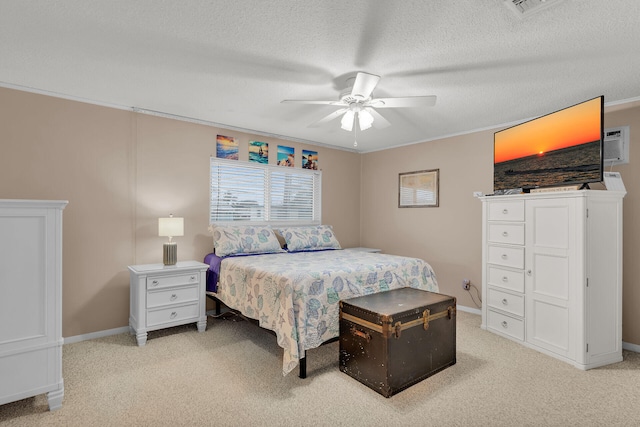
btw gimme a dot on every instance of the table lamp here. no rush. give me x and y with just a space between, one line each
170 227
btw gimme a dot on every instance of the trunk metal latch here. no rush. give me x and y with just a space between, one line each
425 319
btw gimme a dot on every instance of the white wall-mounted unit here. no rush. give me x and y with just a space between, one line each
616 146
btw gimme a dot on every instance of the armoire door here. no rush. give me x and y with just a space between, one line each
550 273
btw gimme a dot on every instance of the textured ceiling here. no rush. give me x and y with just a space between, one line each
232 62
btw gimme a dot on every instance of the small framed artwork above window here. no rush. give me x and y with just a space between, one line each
418 189
226 147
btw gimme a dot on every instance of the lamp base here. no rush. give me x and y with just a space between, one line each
170 253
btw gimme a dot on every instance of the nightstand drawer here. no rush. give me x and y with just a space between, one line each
172 296
505 301
505 324
155 282
172 314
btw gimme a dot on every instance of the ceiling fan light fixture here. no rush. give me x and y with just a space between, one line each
365 119
347 120
357 102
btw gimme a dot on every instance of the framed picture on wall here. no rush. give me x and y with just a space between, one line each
286 156
309 159
418 189
259 152
226 147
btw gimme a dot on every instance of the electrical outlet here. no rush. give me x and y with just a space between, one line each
466 284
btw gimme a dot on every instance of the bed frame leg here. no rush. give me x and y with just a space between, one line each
217 307
303 367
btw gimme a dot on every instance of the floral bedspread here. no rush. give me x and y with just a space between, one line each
297 294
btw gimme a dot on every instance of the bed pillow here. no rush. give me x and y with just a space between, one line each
283 243
244 239
310 238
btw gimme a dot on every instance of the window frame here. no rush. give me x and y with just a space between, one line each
269 171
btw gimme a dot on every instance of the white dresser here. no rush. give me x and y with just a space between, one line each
163 296
552 273
31 300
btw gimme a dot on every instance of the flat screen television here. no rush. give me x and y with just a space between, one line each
559 149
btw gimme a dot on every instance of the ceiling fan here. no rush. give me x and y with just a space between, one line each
357 103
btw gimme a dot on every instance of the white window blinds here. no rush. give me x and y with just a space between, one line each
262 194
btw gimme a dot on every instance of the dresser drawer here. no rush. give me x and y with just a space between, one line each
505 301
172 296
504 278
505 324
506 210
155 282
512 234
172 314
506 256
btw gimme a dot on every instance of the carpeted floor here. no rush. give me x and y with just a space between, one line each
230 375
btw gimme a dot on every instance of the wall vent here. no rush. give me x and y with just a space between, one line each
524 8
616 146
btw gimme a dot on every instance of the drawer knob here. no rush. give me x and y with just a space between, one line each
155 283
505 234
505 211
528 272
173 297
504 301
505 279
192 278
173 315
504 324
504 256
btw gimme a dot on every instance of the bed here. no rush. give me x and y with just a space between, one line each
296 292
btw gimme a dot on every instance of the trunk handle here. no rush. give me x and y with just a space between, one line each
360 334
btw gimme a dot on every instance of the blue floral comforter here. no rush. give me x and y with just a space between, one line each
297 294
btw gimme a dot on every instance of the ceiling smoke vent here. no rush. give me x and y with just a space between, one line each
527 7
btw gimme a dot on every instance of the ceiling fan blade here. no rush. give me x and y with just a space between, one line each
329 117
379 122
364 85
303 101
405 102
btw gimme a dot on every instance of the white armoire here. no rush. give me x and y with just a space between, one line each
552 273
31 300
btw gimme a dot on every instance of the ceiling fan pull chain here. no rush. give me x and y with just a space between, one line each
355 136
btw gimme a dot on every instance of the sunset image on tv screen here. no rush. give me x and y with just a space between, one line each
562 147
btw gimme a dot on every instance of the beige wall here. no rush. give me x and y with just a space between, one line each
120 171
631 231
57 149
449 237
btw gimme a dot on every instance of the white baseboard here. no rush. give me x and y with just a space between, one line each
631 347
94 335
470 310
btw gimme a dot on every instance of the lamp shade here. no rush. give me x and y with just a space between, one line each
170 227
365 119
347 120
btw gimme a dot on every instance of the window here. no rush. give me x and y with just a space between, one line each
254 193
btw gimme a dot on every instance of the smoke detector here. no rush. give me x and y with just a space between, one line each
524 8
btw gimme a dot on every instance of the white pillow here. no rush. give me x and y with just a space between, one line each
310 238
244 239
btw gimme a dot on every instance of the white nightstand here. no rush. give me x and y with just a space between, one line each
365 250
164 296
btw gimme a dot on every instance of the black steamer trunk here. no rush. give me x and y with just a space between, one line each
392 340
